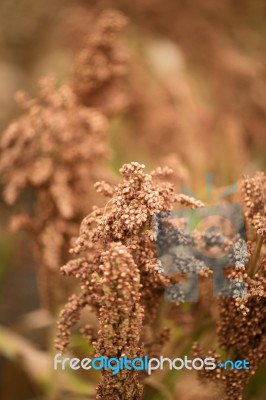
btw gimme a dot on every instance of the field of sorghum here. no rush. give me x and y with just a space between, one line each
113 112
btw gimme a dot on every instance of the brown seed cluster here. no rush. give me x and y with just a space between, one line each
102 65
116 258
127 217
241 325
120 320
57 149
254 191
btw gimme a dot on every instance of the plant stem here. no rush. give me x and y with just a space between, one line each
254 260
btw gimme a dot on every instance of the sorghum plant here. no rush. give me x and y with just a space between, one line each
101 68
241 320
56 148
120 321
117 268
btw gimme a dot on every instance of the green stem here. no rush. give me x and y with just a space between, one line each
255 258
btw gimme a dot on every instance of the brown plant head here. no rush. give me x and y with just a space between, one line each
55 149
241 326
117 270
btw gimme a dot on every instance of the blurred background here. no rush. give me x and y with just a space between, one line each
193 98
